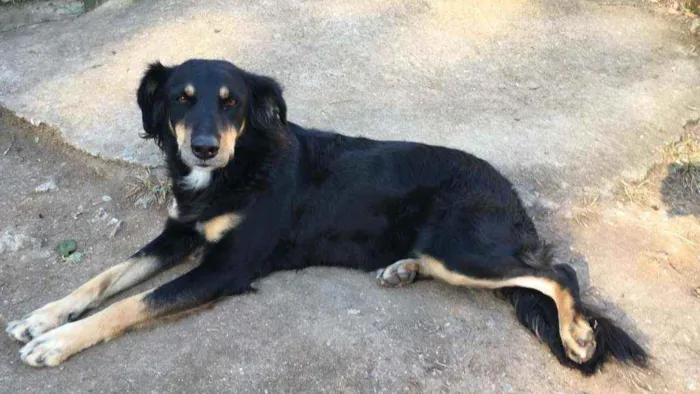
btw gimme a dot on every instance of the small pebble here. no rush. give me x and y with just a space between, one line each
75 257
102 214
78 213
13 241
117 226
695 26
106 198
532 85
46 187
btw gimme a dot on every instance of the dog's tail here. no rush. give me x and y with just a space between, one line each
538 313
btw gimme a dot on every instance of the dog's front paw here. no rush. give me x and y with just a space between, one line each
38 322
51 348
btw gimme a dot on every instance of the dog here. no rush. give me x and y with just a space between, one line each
254 193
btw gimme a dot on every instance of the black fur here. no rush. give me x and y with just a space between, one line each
151 100
310 197
538 313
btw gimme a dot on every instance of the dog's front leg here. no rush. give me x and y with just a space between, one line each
170 247
197 287
231 261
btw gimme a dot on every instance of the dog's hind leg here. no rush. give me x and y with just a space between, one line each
576 334
170 247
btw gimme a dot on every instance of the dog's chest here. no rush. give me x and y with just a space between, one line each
212 227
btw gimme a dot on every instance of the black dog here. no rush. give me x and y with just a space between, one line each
258 194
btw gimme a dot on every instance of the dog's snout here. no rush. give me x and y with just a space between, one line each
205 146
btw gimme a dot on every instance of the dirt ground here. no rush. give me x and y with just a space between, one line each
326 330
642 245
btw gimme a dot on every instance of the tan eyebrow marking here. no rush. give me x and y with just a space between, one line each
189 90
223 92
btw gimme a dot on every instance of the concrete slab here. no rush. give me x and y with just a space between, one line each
569 91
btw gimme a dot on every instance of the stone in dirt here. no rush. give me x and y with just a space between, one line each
532 85
117 225
102 214
46 187
13 241
695 26
74 257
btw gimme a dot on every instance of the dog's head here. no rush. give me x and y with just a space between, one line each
201 107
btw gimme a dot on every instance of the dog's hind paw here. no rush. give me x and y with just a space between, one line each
579 343
402 272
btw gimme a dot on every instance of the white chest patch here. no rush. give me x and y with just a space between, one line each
197 179
173 211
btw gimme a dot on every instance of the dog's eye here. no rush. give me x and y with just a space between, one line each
183 99
228 103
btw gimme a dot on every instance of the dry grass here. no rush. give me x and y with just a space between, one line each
678 173
692 6
674 182
636 192
150 186
585 212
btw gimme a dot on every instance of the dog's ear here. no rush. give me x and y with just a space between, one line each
267 109
151 99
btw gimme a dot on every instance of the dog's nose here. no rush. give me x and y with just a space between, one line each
205 146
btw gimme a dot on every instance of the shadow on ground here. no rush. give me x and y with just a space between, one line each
680 189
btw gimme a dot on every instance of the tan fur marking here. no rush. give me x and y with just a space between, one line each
89 295
110 282
182 133
572 325
189 90
56 346
215 228
116 279
223 92
227 144
113 321
437 269
240 131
